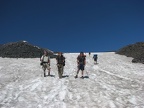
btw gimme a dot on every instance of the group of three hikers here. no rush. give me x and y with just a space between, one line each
60 59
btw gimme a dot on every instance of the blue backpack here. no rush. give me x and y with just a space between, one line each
95 56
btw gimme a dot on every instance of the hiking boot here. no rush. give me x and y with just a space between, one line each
76 76
82 77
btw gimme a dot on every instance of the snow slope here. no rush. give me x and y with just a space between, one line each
114 82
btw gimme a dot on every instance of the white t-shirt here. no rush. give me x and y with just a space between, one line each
45 58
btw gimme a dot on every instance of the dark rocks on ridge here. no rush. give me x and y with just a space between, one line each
22 49
134 50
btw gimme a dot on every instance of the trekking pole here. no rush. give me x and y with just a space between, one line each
41 72
87 73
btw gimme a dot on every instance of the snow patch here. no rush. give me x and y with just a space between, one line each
24 41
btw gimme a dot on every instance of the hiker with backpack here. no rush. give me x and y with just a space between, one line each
95 58
81 62
60 64
89 53
45 62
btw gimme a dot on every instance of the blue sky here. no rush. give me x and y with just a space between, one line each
73 25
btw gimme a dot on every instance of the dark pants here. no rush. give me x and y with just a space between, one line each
95 60
60 70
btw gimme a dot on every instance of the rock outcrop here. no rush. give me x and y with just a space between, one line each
22 49
134 50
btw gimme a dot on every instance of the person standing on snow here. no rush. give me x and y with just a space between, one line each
60 64
89 53
45 62
81 62
95 57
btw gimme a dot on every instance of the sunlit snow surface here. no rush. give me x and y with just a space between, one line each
114 82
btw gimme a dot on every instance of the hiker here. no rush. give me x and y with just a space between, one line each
89 53
81 62
95 58
45 62
60 64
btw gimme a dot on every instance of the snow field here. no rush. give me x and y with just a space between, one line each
114 82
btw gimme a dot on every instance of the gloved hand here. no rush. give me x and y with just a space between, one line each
41 63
